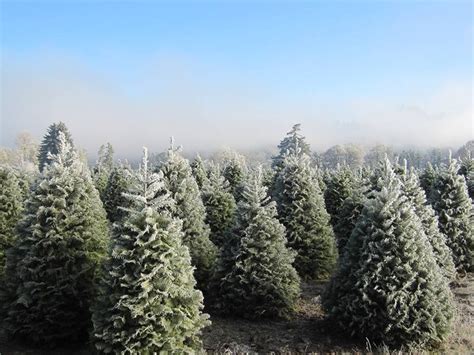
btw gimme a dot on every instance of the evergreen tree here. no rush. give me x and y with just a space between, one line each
11 204
190 209
470 184
24 179
103 168
451 202
302 212
50 143
427 179
293 143
268 177
467 150
348 215
114 200
148 302
220 205
199 171
262 281
338 188
466 165
320 179
467 170
429 221
62 239
234 172
388 287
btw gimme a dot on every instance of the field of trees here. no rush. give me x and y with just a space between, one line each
346 250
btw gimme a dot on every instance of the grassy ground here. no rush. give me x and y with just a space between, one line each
310 332
307 332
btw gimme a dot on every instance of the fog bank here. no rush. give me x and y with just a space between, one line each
205 114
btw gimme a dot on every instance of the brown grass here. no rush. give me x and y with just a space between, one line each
307 332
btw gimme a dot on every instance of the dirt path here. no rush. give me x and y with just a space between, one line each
308 331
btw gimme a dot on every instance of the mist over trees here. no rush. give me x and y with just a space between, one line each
126 255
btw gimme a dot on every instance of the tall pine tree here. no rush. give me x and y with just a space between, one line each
388 287
470 184
338 187
260 279
103 168
113 197
148 302
220 205
467 170
62 239
349 213
301 210
234 171
199 171
190 209
11 205
293 143
50 143
429 221
450 200
427 178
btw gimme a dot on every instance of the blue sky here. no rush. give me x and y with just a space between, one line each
397 52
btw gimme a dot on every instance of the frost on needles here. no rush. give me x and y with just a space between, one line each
11 205
302 211
429 221
255 276
178 178
220 205
388 287
450 200
62 239
148 302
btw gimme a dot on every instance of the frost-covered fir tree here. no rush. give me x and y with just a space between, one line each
50 143
466 165
450 200
427 178
220 205
388 287
470 184
320 179
199 171
234 171
338 187
24 178
260 279
103 167
293 143
11 204
424 211
114 201
61 241
190 209
147 300
268 177
301 210
348 215
467 170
